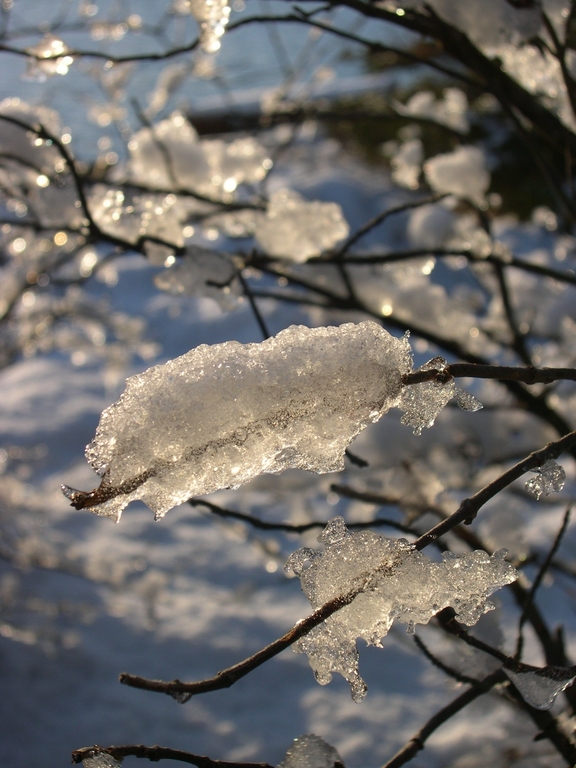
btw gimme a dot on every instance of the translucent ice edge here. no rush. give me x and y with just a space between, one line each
310 751
394 581
220 415
539 687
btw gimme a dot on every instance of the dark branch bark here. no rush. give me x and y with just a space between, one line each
469 508
466 512
417 742
528 375
157 753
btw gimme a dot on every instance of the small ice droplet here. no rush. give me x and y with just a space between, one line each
410 629
550 478
334 532
101 760
298 559
311 751
466 401
180 696
539 687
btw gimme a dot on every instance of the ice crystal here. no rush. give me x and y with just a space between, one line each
423 402
49 57
170 155
220 415
134 216
461 172
101 760
296 229
310 751
202 273
550 478
539 687
394 581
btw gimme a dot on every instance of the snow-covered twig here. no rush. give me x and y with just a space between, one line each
468 509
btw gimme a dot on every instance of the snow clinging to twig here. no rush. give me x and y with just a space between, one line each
394 581
296 229
220 415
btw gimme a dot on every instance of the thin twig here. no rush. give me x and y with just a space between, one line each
380 219
493 258
470 507
417 742
467 511
263 525
450 671
227 677
538 580
528 375
257 314
157 753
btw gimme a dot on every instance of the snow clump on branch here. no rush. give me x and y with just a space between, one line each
394 581
220 415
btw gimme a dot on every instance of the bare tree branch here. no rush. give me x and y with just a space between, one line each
469 508
466 512
529 375
538 580
157 753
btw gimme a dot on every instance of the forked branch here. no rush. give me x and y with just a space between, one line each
467 510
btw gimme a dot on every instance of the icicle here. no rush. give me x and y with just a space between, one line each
550 478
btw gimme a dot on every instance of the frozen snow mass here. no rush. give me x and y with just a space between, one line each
220 415
393 581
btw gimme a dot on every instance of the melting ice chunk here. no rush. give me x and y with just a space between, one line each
311 751
101 760
394 581
423 402
539 687
550 478
296 229
220 415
